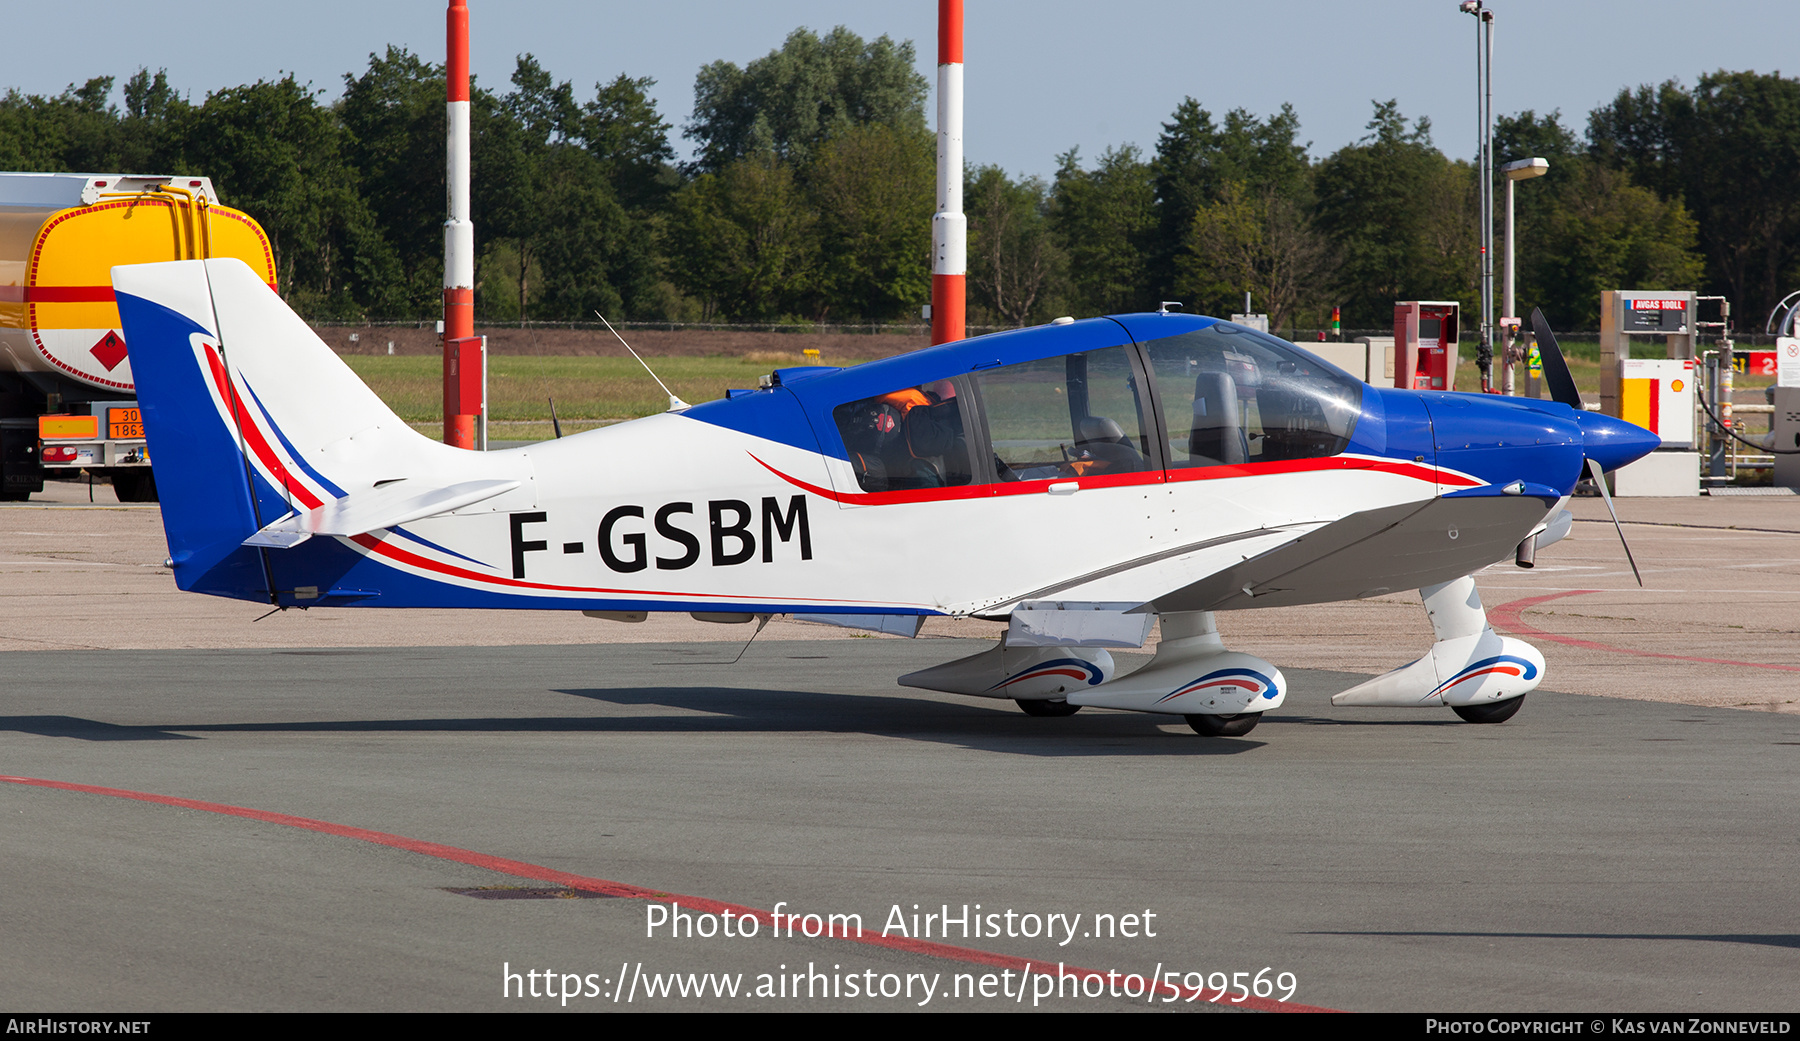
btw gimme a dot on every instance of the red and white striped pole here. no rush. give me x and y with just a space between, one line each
462 396
949 229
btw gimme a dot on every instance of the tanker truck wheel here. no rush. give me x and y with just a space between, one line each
134 485
1046 707
1491 711
1224 726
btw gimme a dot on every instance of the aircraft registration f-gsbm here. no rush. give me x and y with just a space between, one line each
1080 480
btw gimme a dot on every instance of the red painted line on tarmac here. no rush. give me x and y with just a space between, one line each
1507 617
521 869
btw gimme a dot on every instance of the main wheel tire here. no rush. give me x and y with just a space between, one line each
1224 726
1490 711
1047 707
134 486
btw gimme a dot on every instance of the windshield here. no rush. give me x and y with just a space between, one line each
1232 395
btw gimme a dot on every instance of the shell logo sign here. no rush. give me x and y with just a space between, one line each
1658 395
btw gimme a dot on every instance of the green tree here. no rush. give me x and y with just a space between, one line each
743 241
1728 149
506 204
873 189
1599 231
570 247
793 99
1399 218
1103 219
1196 160
545 110
520 134
1528 134
146 132
1585 227
1017 274
1255 241
629 139
394 117
623 130
585 246
274 152
76 130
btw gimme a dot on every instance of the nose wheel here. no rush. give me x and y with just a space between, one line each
1047 707
1224 726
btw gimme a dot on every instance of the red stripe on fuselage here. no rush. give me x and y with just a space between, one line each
381 548
1416 471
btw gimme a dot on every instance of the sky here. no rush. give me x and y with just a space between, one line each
1040 77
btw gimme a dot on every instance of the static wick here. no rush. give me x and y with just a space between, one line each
675 403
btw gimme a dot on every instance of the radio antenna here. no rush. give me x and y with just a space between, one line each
675 403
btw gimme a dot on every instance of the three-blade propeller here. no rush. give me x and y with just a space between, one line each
1562 389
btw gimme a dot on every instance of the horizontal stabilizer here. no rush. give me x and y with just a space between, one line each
384 507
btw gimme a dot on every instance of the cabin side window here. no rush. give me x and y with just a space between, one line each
906 439
1077 415
1232 395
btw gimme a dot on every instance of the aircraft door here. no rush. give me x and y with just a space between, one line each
1075 476
1067 417
1013 473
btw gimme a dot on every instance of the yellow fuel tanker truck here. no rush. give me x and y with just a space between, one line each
67 402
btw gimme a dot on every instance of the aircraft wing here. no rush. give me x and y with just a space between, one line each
1405 546
1141 580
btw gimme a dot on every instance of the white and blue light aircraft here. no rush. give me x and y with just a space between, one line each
1079 479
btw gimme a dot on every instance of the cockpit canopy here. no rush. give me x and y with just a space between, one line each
1212 394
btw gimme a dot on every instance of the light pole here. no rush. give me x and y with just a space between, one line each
1519 170
1484 96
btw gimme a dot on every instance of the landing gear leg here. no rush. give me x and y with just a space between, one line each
1220 693
1471 669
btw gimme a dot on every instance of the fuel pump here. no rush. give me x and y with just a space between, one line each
1425 344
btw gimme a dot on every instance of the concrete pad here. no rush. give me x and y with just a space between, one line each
1594 853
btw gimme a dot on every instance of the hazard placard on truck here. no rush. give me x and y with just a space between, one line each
67 400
